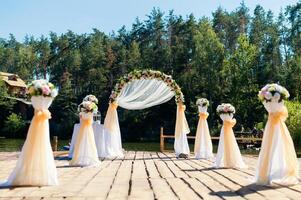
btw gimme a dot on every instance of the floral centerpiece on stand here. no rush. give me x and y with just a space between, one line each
225 111
41 93
147 74
272 96
225 108
87 107
273 92
41 88
91 98
202 104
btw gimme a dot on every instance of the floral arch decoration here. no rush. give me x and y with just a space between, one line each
147 74
138 90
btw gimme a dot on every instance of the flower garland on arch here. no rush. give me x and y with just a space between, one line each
147 74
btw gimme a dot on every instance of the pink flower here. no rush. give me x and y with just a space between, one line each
46 90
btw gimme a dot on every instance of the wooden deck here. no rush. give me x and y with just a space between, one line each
147 175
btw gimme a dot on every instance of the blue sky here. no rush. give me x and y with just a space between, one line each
37 17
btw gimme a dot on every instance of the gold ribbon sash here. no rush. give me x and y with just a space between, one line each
111 118
228 134
203 115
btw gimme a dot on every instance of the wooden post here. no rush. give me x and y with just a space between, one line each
55 143
161 140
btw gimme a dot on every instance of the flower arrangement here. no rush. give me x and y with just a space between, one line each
41 88
273 92
225 108
92 98
147 74
203 102
87 106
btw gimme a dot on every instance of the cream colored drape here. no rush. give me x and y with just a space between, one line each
85 151
181 130
203 143
277 163
113 147
228 153
36 166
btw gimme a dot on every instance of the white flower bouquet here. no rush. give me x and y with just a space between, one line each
273 93
225 111
225 108
91 98
41 88
87 107
272 96
203 102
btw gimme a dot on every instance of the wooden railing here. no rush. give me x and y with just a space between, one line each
242 139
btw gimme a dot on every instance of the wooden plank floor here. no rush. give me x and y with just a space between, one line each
147 175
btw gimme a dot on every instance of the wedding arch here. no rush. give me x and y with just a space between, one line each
138 90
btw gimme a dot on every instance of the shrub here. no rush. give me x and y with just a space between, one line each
294 121
14 125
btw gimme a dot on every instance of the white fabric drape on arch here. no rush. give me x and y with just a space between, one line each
144 93
136 95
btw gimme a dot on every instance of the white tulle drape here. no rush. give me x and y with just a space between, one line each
137 95
144 93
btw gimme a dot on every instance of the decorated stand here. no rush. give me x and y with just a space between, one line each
277 163
140 90
36 166
203 143
85 151
228 153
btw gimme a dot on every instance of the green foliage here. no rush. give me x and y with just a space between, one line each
6 105
14 125
65 108
294 121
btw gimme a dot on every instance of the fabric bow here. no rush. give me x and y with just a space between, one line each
114 105
86 122
229 123
276 117
203 115
182 107
42 114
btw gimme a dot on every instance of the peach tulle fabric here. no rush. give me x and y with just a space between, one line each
228 153
181 131
112 119
36 166
278 162
203 143
85 151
